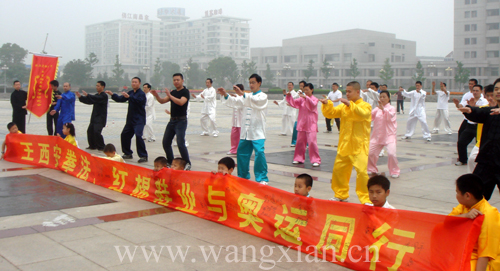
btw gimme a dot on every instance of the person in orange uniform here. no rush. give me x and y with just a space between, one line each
354 143
485 254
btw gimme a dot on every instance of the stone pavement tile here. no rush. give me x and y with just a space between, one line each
136 230
31 249
100 249
26 220
6 266
110 208
171 218
73 234
73 263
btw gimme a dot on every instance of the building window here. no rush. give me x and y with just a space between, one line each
310 57
473 40
255 59
492 40
403 58
332 57
473 27
492 26
348 57
290 59
371 44
473 54
371 72
467 2
467 27
473 14
467 54
371 58
494 71
271 59
392 45
492 12
493 1
473 1
472 71
491 54
467 41
467 14
398 59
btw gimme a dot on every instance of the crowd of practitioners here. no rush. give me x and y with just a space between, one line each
365 119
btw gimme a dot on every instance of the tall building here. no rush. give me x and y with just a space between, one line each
139 41
477 38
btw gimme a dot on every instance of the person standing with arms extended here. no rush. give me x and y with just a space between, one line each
334 95
98 117
288 116
209 98
400 100
236 122
65 107
354 142
18 100
253 131
417 112
179 102
295 94
149 133
136 119
442 113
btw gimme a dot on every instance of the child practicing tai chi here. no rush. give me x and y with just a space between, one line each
160 163
12 130
110 152
486 252
303 185
307 125
69 131
225 166
378 190
383 135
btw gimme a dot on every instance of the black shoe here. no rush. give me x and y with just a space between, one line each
127 156
101 149
90 148
143 160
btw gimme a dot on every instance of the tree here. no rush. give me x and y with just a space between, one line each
221 68
156 79
326 70
386 74
91 60
354 72
247 69
461 75
117 78
168 69
76 72
309 71
195 75
419 73
13 56
269 76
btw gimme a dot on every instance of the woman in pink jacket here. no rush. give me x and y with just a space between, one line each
383 134
307 126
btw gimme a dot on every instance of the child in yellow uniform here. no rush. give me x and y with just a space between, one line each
485 255
12 130
354 142
110 152
69 131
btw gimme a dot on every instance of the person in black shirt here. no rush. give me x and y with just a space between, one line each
177 125
52 119
488 160
98 117
18 100
136 119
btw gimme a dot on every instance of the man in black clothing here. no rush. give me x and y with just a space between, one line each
18 100
98 117
177 125
488 159
52 119
136 119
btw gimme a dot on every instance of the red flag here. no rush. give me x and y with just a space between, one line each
43 70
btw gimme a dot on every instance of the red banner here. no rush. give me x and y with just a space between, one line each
43 70
352 235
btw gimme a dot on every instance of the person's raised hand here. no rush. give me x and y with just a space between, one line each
222 92
52 112
495 111
471 102
380 105
238 90
78 95
84 93
345 101
433 84
467 110
125 94
276 103
192 95
324 101
284 92
58 97
109 92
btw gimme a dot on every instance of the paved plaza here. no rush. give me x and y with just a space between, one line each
52 221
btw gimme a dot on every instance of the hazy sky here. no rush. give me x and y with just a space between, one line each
428 22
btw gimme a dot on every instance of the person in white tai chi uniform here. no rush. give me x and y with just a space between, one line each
289 113
149 133
417 112
209 98
443 96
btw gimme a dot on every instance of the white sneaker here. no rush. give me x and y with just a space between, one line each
428 139
459 164
187 143
337 199
435 132
315 164
450 133
230 153
203 134
381 153
394 176
292 145
405 137
263 182
215 135
282 134
295 162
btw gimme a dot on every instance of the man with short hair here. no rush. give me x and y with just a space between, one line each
65 107
209 98
289 113
136 119
179 102
442 114
295 94
98 117
334 95
149 133
400 100
52 119
417 112
18 101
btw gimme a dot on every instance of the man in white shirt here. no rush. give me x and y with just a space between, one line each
295 95
149 133
334 95
417 112
209 98
289 113
253 130
468 129
442 114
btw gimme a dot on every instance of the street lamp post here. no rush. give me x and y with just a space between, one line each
430 66
329 67
4 70
449 75
146 70
186 69
286 68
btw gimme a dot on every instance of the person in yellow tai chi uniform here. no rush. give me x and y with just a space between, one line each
354 141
